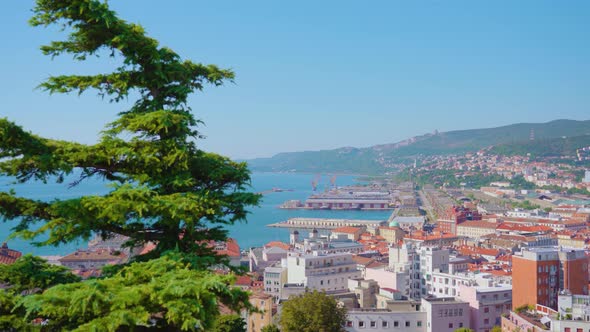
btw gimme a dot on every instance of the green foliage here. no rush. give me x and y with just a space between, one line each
163 190
518 182
448 178
270 328
30 273
526 205
161 293
464 329
162 185
230 323
497 329
551 147
312 312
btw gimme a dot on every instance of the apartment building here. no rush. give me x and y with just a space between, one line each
538 274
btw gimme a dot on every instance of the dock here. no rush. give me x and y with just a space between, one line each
325 223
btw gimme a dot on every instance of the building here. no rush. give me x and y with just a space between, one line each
454 216
274 278
487 305
7 255
445 314
365 291
381 320
574 313
322 271
392 233
476 229
523 321
386 320
92 259
538 274
352 233
257 320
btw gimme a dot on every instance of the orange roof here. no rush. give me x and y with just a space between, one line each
362 260
468 250
147 248
243 281
523 228
232 249
347 230
277 244
8 256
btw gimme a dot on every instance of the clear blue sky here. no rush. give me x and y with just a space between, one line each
325 74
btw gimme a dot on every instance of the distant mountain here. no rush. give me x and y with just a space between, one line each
380 158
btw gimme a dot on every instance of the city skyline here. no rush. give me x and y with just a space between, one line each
311 77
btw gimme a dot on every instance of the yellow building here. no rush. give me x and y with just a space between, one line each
258 320
392 233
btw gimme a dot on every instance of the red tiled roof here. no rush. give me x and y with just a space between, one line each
243 281
233 249
346 229
278 244
8 256
362 260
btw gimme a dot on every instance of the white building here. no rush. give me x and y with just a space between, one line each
321 271
381 320
275 277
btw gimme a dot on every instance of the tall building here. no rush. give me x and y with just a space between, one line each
586 177
538 274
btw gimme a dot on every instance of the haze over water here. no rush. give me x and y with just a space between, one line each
250 234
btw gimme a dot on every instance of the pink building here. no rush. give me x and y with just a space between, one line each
486 305
445 314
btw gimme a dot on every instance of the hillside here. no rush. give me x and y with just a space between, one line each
552 147
380 158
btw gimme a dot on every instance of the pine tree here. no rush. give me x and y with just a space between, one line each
164 189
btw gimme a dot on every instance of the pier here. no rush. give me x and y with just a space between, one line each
323 223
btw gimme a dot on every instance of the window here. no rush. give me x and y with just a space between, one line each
373 324
419 323
361 323
407 323
384 324
395 323
450 325
460 324
321 282
486 321
579 330
567 329
486 309
348 323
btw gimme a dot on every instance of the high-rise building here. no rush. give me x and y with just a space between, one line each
538 274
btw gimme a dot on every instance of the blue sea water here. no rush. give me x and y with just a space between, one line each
249 234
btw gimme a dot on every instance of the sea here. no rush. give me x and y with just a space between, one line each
252 233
